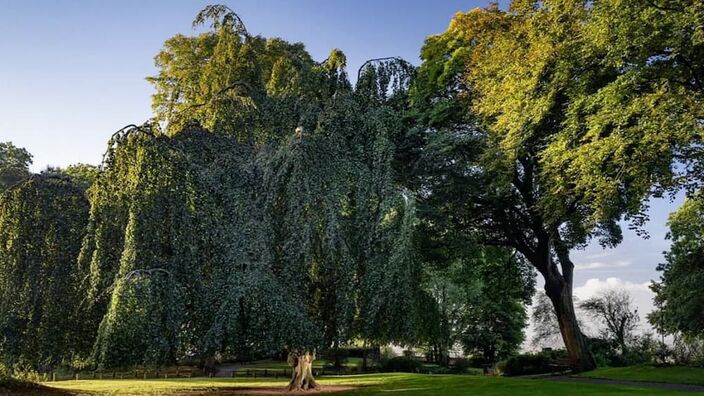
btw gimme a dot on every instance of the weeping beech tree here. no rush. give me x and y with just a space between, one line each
42 222
278 227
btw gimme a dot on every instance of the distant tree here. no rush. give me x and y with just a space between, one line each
494 325
14 164
42 222
678 300
544 321
83 175
480 305
614 310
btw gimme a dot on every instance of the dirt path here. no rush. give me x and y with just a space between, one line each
641 384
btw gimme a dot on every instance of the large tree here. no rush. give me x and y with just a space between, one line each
42 222
280 227
538 83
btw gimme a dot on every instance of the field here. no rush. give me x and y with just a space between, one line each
675 375
370 384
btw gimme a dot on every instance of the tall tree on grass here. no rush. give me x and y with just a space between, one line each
281 227
574 130
42 221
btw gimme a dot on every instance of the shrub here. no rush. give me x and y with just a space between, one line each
529 363
401 363
461 364
688 351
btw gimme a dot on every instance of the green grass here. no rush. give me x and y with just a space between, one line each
370 384
674 375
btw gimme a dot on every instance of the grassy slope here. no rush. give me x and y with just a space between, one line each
399 384
675 375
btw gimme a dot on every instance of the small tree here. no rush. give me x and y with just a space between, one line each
14 164
614 310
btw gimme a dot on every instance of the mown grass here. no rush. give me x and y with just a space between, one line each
370 384
673 374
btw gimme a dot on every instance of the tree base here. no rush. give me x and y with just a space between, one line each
302 377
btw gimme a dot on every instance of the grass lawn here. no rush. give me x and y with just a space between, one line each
675 375
370 384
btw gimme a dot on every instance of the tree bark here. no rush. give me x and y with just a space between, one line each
302 377
560 293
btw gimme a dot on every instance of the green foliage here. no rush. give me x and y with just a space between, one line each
179 256
481 305
14 164
678 302
83 175
250 87
42 222
633 88
494 325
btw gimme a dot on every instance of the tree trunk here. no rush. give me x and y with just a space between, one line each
302 377
560 293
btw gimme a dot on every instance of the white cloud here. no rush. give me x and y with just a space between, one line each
640 293
601 265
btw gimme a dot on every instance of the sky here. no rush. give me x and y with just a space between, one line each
73 72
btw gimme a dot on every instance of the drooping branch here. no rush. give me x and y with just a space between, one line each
221 15
389 59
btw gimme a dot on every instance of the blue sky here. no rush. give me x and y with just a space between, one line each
72 72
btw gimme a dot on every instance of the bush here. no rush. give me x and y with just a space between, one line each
688 351
461 364
401 363
529 363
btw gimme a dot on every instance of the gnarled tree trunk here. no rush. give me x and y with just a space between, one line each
302 377
575 342
558 287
